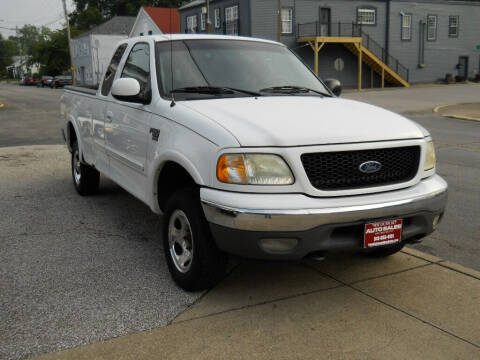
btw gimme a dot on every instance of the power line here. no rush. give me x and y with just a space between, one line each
52 22
36 25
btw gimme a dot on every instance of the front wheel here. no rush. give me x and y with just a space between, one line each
85 178
193 258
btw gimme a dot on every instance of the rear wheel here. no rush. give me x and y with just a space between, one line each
386 251
85 178
193 258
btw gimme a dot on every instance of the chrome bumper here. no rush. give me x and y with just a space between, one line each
430 195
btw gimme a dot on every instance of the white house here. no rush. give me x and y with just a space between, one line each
20 67
155 20
93 50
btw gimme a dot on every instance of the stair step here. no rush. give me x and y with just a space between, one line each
376 64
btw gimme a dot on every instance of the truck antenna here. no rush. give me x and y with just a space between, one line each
172 104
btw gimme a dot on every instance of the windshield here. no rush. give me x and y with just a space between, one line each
251 66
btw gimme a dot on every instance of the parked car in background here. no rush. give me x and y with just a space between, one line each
61 81
44 81
28 80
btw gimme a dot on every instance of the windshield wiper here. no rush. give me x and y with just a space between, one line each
291 89
214 90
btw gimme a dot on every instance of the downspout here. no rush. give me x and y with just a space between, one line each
250 14
387 34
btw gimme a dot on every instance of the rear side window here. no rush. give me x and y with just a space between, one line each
112 69
137 66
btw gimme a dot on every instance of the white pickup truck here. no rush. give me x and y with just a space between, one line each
245 151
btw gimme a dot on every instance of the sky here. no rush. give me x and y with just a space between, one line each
36 12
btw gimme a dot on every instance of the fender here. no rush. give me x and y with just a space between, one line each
71 120
157 166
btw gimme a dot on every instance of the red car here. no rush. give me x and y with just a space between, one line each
29 81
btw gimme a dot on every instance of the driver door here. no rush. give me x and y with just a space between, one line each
127 125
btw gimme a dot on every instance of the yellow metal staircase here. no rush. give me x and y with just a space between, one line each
360 44
377 65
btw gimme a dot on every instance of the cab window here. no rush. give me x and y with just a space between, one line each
137 66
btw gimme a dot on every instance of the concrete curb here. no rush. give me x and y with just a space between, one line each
460 117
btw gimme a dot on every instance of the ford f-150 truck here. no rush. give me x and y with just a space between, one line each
245 151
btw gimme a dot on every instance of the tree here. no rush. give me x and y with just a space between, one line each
52 52
89 13
8 49
86 19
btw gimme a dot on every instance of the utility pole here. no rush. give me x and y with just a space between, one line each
20 46
70 49
208 16
279 21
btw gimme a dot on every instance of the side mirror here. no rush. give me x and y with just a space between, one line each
334 85
127 89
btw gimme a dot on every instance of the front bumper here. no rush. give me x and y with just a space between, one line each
240 221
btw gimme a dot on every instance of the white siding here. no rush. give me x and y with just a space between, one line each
144 24
92 54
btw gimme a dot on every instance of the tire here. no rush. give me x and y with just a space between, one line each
85 178
193 258
385 251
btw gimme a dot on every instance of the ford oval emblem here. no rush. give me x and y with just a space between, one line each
369 167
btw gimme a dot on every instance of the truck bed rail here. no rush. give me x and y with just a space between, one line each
83 90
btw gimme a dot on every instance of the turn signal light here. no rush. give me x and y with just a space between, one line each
254 169
231 169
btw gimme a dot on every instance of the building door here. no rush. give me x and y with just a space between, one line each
82 75
463 66
325 20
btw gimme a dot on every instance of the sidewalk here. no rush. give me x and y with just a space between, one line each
465 111
409 306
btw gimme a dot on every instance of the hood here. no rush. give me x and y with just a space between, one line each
302 120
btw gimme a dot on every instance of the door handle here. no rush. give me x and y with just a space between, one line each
109 116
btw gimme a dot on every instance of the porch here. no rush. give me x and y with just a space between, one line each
367 50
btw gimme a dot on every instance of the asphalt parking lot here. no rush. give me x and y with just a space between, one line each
78 270
30 115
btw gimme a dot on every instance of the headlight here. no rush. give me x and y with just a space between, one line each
430 159
254 169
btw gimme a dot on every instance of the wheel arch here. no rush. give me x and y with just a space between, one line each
72 134
172 173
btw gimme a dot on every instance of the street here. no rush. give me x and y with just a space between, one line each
30 116
77 270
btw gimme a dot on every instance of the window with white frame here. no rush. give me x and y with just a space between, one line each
231 20
366 16
406 27
203 21
432 27
453 26
287 20
217 18
192 24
